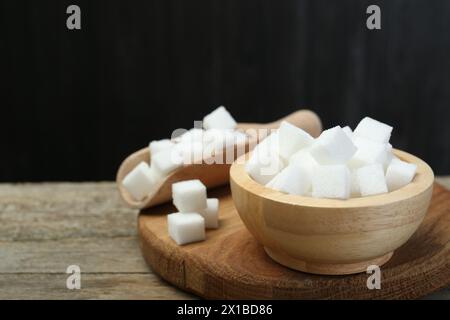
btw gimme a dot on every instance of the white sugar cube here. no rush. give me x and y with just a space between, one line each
265 163
389 156
374 130
294 179
166 161
292 139
190 152
139 181
218 139
189 195
192 135
333 147
369 152
371 180
240 138
354 184
262 168
399 173
331 181
186 227
304 158
269 145
348 131
219 119
159 145
211 213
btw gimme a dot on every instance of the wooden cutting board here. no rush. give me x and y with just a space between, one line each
230 264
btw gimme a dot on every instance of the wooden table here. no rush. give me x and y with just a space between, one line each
45 227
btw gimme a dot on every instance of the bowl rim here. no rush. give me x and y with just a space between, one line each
423 180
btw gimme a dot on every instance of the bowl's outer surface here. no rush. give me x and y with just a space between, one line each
329 231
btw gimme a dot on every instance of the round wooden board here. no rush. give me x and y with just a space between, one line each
230 264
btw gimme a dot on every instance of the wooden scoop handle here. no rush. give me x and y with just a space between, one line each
305 119
211 175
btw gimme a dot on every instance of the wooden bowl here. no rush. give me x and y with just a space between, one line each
328 236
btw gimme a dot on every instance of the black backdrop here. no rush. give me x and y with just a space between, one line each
75 103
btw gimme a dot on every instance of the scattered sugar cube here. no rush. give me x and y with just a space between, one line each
333 147
374 130
292 139
331 181
166 161
348 131
294 179
369 152
159 145
189 195
211 213
219 119
139 181
399 173
186 227
371 180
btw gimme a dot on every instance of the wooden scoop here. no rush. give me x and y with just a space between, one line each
211 175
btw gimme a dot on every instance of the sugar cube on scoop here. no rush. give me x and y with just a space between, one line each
166 161
399 173
189 195
159 145
186 227
139 181
219 119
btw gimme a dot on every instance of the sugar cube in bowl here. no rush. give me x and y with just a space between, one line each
334 236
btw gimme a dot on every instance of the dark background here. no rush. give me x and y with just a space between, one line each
75 103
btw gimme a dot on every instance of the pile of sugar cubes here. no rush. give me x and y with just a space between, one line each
195 212
339 164
191 147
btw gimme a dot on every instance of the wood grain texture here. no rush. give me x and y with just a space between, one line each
45 226
230 264
93 286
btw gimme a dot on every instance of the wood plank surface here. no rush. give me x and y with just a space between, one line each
49 226
231 264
